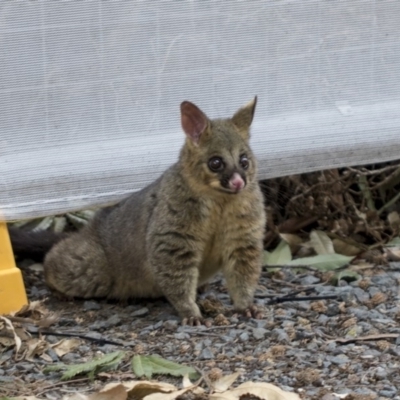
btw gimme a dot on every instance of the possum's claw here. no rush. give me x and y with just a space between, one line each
250 312
253 312
195 321
192 321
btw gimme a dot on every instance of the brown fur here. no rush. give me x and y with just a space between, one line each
176 233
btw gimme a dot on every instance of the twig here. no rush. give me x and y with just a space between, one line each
364 338
292 296
364 187
307 267
389 203
220 327
100 341
303 298
311 188
387 180
47 388
364 171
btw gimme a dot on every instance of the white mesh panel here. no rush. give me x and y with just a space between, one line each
90 91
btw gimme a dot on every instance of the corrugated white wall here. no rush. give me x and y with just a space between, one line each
90 91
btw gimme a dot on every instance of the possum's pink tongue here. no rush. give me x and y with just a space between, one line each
236 183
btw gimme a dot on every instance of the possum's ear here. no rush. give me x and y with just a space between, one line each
194 121
244 117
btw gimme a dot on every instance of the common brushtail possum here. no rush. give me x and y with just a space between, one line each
204 214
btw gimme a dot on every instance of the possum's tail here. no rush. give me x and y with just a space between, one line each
33 245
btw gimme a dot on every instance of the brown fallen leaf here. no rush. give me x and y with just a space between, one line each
364 338
393 253
394 219
347 249
321 242
65 346
224 383
140 389
10 328
265 391
294 241
117 392
36 347
360 265
6 341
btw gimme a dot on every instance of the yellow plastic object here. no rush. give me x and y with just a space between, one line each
12 289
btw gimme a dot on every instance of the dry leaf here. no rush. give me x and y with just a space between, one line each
117 392
393 253
6 341
265 391
10 327
76 396
36 267
321 242
364 338
140 389
224 383
281 255
394 219
186 381
34 307
173 395
65 346
347 249
361 265
294 241
48 320
36 347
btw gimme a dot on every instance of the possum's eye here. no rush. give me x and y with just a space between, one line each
216 164
244 161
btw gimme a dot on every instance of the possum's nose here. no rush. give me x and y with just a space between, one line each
236 183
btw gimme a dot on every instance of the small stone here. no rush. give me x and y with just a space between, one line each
181 336
53 355
339 360
84 349
199 346
226 338
99 325
361 295
24 366
91 305
95 335
52 339
280 336
234 332
380 373
309 280
70 357
206 354
114 320
258 323
158 325
388 394
107 348
259 333
140 313
332 310
244 337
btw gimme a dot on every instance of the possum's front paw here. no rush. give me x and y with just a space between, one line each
252 312
192 321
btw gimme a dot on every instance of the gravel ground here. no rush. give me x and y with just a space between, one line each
298 345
